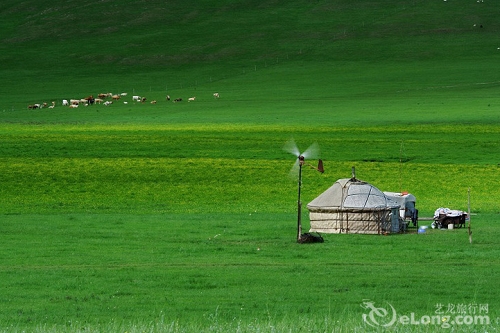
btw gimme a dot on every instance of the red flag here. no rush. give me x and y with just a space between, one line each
320 166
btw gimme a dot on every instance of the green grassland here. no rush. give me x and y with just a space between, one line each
181 217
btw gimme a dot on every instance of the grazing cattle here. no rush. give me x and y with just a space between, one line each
178 100
108 103
90 99
216 95
168 97
98 100
153 102
191 99
136 98
65 102
53 105
143 99
123 94
73 106
74 101
35 106
115 97
102 95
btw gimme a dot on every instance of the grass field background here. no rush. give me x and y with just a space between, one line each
181 217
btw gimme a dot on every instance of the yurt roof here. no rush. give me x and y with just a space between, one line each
351 193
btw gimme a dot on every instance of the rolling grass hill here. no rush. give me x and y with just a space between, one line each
73 47
180 217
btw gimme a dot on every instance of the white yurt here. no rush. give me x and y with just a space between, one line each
353 206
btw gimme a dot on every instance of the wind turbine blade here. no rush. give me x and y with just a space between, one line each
294 171
312 151
291 147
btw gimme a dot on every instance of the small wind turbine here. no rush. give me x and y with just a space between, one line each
310 152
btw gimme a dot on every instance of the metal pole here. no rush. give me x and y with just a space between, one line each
299 206
299 203
468 211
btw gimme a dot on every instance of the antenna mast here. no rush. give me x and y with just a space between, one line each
401 148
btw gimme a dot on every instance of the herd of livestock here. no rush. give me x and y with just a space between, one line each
105 99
